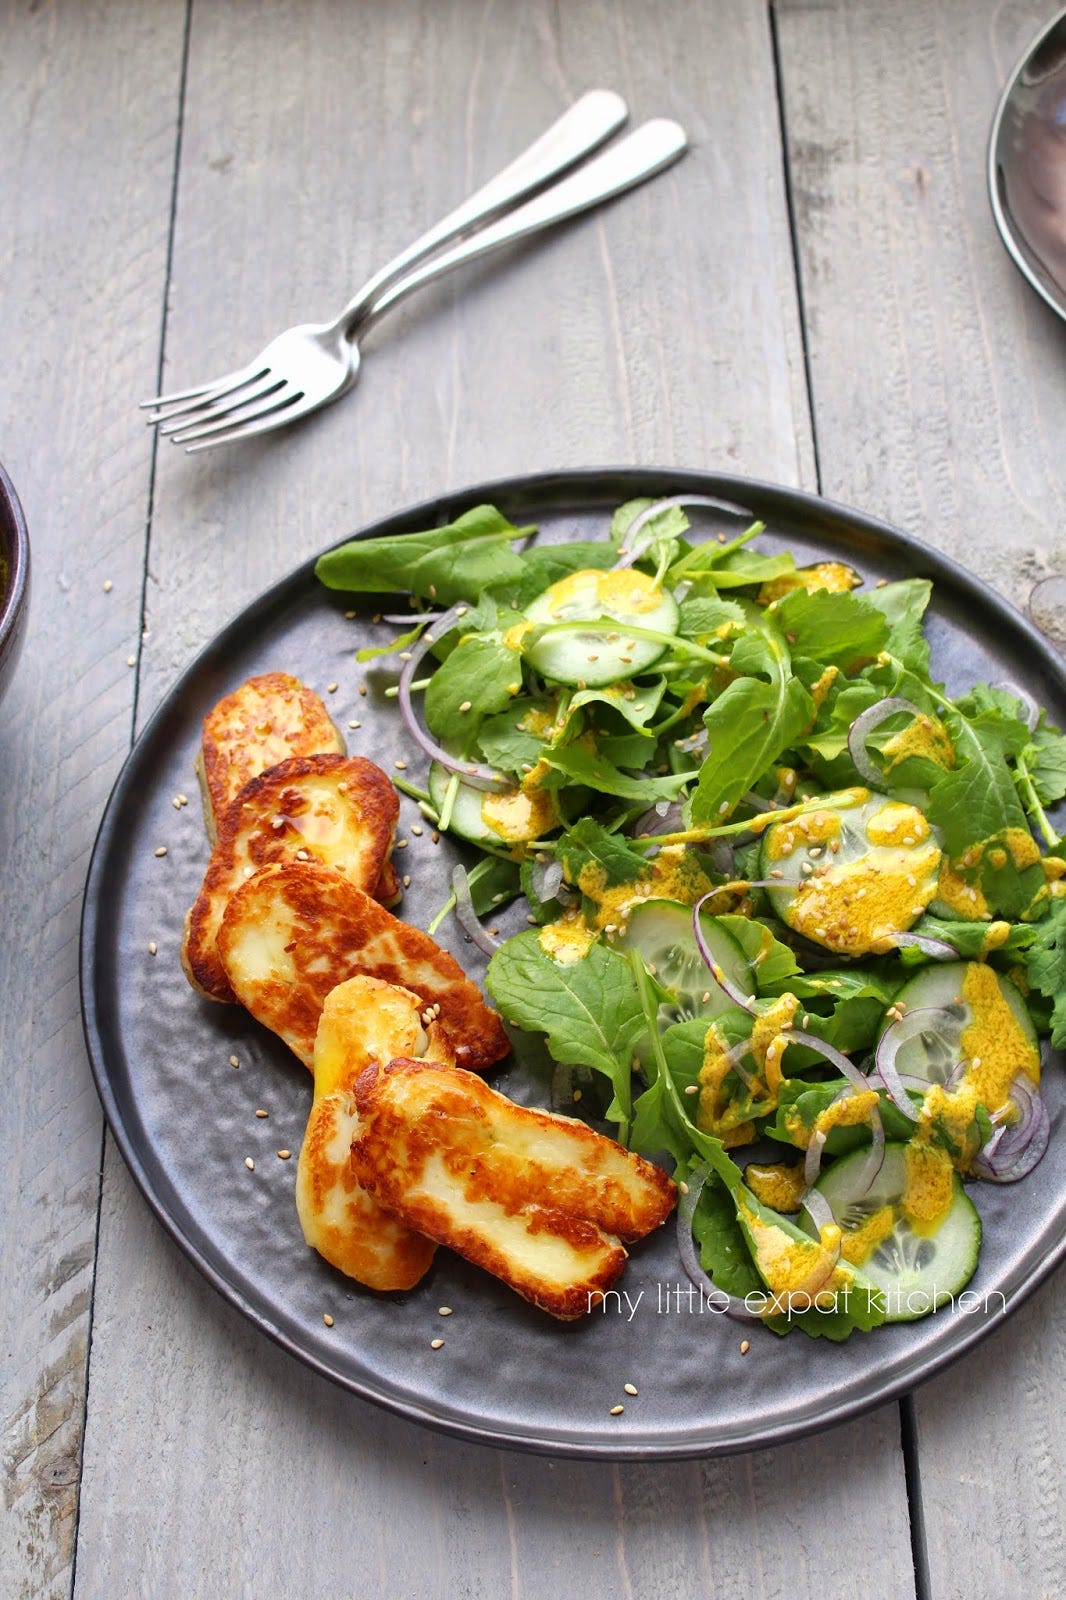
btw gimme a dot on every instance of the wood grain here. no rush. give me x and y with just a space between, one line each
937 390
317 140
88 102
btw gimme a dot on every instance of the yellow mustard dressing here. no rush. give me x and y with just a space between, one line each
1023 848
929 1188
996 935
960 898
1054 868
834 575
797 1272
810 827
821 686
567 939
780 1185
674 874
994 1042
897 824
519 814
857 1245
629 591
514 636
923 736
856 908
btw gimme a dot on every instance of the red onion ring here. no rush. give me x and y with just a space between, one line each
476 775
844 1065
690 1260
997 1165
467 917
626 552
727 987
876 1159
892 1039
413 616
938 949
812 1161
861 729
819 1210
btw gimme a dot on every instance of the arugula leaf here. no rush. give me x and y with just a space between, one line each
636 705
750 724
1047 967
968 938
456 562
589 843
1045 759
591 768
588 1010
665 528
740 568
772 963
832 628
492 882
504 744
724 1252
904 606
480 674
701 617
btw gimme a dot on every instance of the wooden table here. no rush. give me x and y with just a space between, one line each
815 295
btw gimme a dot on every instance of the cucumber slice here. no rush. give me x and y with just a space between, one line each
662 931
917 1272
518 817
606 654
853 872
933 1053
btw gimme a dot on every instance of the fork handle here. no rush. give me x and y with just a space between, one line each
580 130
653 146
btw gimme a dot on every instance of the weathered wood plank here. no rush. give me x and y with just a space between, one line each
318 139
937 382
88 99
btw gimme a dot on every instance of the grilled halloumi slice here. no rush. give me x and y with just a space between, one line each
363 1020
339 810
295 930
269 719
541 1201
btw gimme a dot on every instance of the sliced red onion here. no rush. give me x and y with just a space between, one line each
861 730
876 1159
547 879
836 1058
1032 710
467 917
818 1209
812 1161
938 949
729 988
629 551
734 1057
996 1162
924 1019
690 1259
473 773
408 617
758 803
664 817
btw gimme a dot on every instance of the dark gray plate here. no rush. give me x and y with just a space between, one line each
185 1119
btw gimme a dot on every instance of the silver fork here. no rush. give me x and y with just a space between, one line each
307 366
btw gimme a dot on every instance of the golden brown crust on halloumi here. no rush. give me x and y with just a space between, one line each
339 810
363 1020
388 889
294 931
538 1200
268 719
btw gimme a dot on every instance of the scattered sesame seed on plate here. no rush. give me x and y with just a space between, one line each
234 1061
331 688
416 829
262 1113
436 1344
616 1411
327 1319
407 880
161 850
630 1388
152 947
284 1155
745 1346
131 661
354 722
444 1311
249 1163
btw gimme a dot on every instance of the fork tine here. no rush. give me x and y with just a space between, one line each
279 399
221 405
228 380
288 411
209 397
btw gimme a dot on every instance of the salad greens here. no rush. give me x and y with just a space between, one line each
797 915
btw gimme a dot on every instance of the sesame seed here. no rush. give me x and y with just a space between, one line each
682 1185
331 688
376 617
108 586
401 766
152 947
436 1344
444 1311
131 661
176 802
435 837
234 1061
706 996
616 1411
407 880
465 706
912 881
745 1346
161 850
284 1155
416 829
882 583
362 688
723 808
630 1388
327 1319
593 656
401 844
302 855
354 722
349 615
692 1088
262 1113
249 1163
577 1094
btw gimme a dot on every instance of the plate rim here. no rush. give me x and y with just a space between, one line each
578 486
